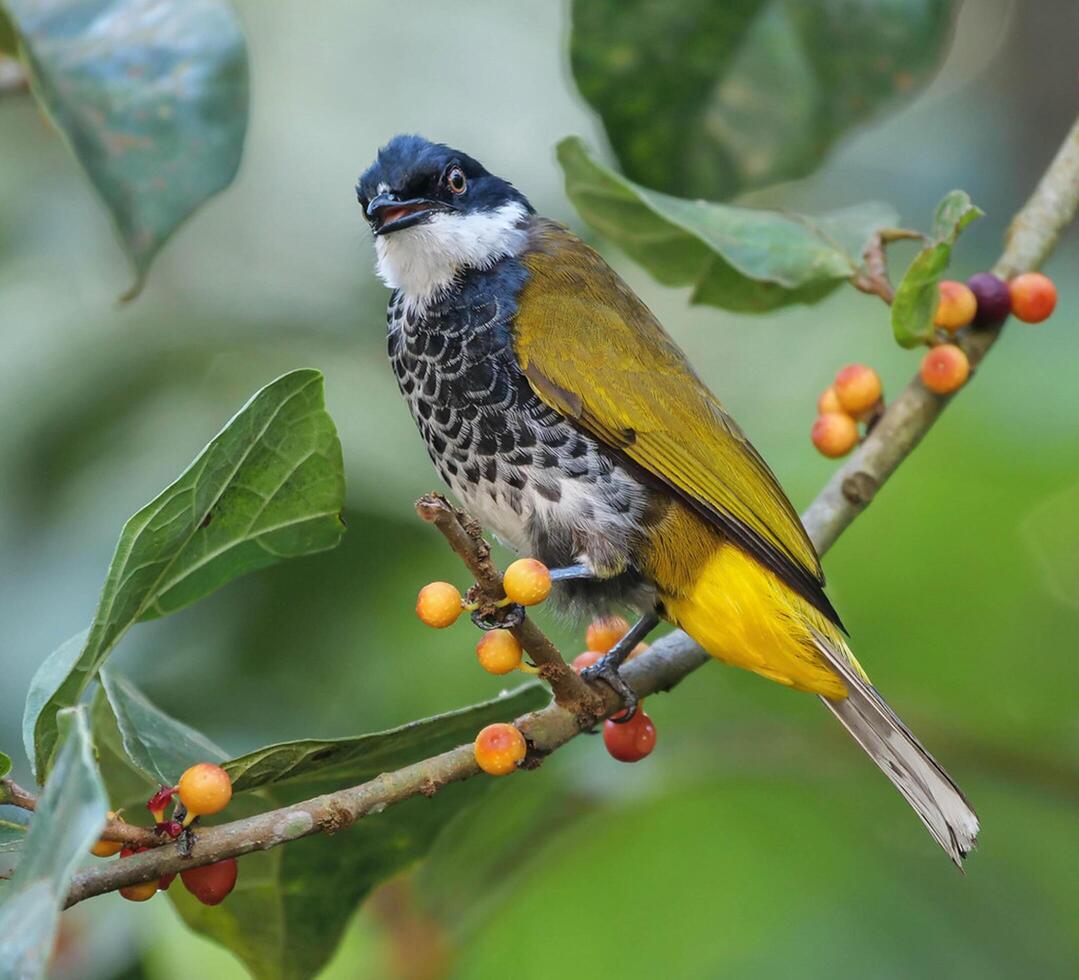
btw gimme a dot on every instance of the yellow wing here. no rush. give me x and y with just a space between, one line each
594 352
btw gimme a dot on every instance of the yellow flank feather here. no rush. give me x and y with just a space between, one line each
744 615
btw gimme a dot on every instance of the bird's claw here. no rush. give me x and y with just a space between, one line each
504 618
606 670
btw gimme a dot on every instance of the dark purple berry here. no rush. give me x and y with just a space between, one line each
994 299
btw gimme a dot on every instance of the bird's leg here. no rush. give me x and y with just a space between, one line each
607 669
572 571
511 614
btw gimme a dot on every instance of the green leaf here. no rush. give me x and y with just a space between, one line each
293 903
156 743
69 816
917 295
710 99
12 835
9 43
736 258
269 486
5 764
347 761
152 97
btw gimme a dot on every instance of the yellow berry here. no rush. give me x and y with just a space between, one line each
957 305
498 749
603 633
945 369
527 581
834 434
438 604
857 388
498 652
204 789
828 401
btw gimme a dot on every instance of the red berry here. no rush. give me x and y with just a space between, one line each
438 604
165 880
834 434
498 749
994 298
211 883
527 581
857 388
498 652
945 369
957 306
630 741
1034 297
204 788
603 633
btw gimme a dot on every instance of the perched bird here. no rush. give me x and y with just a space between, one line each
562 415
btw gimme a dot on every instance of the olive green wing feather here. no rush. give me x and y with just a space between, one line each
593 351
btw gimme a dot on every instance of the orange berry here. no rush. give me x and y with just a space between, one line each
638 650
498 652
858 388
945 369
1034 296
106 848
586 659
828 401
527 581
603 633
211 883
498 749
204 789
957 305
142 892
630 741
834 434
438 604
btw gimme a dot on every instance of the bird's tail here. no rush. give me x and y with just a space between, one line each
902 758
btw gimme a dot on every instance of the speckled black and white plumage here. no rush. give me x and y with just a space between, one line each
545 488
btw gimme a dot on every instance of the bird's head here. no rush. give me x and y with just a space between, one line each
434 212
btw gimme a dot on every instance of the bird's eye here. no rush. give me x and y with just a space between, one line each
455 180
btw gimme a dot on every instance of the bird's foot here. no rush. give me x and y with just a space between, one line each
606 670
503 618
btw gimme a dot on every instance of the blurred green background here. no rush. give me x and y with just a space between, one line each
755 841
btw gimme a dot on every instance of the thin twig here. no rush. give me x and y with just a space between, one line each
1032 236
12 794
465 536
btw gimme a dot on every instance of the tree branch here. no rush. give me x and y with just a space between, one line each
1032 236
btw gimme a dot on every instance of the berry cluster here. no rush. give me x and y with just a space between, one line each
984 300
626 741
527 582
500 748
203 789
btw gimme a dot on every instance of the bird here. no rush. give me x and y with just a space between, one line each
563 416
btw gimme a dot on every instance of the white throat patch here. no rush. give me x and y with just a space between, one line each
423 260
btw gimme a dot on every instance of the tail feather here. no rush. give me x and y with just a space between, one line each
903 759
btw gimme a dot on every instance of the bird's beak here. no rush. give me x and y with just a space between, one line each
388 213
